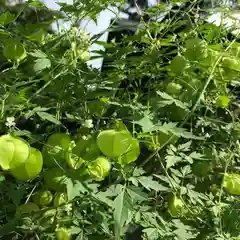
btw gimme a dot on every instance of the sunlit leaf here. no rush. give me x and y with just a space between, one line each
6 18
41 64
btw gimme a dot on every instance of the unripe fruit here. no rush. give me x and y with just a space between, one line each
175 206
43 198
60 199
99 168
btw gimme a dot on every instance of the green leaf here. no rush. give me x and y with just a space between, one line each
171 160
37 36
38 54
150 184
14 50
196 155
36 4
145 123
169 100
6 18
74 189
196 49
70 190
183 232
151 233
121 207
231 63
178 64
136 194
120 126
41 64
49 117
177 131
102 196
19 133
4 33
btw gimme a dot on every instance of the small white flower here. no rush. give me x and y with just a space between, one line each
84 137
68 208
91 87
10 122
73 144
88 123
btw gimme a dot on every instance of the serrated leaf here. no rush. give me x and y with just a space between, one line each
169 100
49 117
138 172
120 213
178 131
164 95
150 184
41 64
174 129
162 178
103 198
136 194
183 232
145 123
185 147
171 160
134 181
151 233
196 155
74 189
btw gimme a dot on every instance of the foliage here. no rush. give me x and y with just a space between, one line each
151 142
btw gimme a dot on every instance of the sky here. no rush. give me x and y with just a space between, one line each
105 17
103 22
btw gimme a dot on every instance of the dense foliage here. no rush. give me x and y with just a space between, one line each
149 144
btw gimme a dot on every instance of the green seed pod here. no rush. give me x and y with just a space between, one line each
99 168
